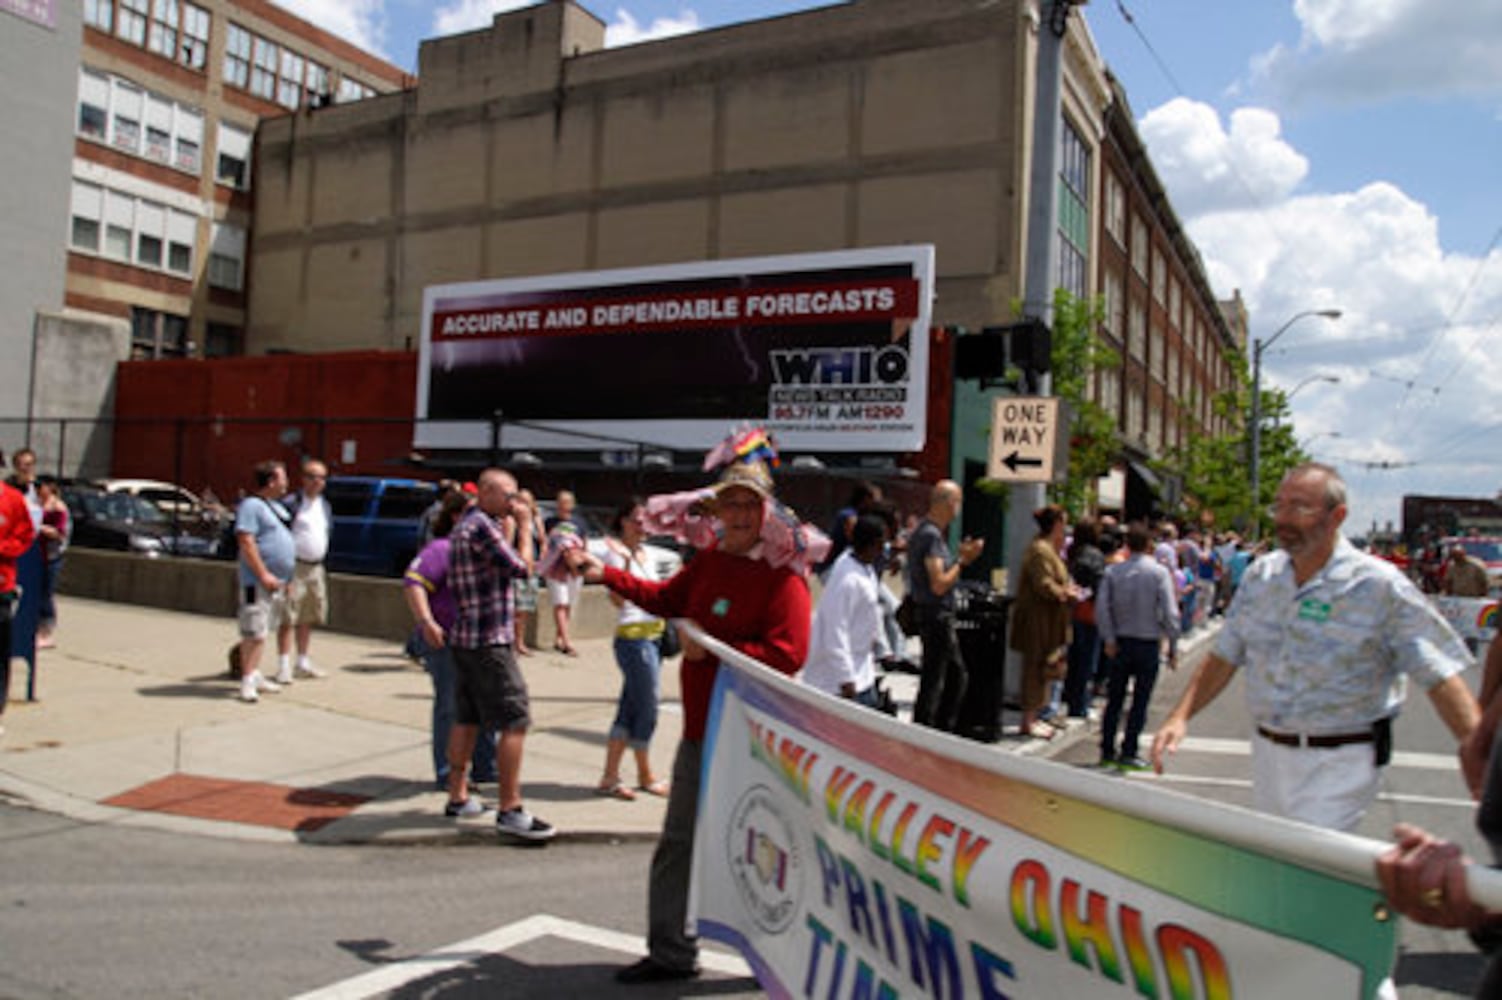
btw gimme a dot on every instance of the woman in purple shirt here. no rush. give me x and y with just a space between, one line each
432 604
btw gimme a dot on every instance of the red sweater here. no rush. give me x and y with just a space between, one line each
16 534
745 603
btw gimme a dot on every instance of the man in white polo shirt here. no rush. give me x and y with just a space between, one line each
1327 637
308 593
847 623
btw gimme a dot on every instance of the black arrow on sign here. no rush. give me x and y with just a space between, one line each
1015 459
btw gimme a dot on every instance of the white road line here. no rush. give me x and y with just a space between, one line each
1403 797
1401 758
391 977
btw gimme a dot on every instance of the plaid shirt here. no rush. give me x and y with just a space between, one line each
481 568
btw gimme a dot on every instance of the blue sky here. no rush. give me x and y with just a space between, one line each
1322 153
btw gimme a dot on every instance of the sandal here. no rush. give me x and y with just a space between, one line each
615 788
659 788
565 650
1041 731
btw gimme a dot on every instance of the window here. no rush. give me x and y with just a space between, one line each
1137 331
1115 305
1175 370
234 157
237 56
193 51
263 69
1115 210
1160 276
1139 246
132 23
1159 347
163 37
99 13
88 210
1175 302
182 232
1074 211
352 90
1110 393
1154 427
156 334
289 88
125 125
220 340
151 228
93 105
226 257
1134 410
316 85
159 115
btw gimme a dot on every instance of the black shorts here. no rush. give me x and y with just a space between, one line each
489 690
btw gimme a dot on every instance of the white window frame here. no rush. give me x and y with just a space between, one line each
128 106
100 14
234 143
127 218
237 46
226 267
193 36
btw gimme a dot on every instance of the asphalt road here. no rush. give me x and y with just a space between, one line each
1423 786
89 911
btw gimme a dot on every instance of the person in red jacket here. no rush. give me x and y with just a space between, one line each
17 532
734 594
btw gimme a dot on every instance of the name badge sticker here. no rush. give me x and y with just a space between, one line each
1311 610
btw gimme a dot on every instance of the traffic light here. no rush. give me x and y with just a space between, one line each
1026 345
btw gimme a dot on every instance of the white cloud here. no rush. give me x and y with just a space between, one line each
360 22
625 30
467 15
1369 50
1411 311
1211 169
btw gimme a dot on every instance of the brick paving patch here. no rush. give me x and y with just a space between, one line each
258 803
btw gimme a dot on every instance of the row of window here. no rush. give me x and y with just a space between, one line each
179 30
134 120
148 234
155 334
173 29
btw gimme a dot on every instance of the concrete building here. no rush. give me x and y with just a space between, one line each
39 46
528 149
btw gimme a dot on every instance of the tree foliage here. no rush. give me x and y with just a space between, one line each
1078 353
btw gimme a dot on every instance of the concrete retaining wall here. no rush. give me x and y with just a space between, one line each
358 605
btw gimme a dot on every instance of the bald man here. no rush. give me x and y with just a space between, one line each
931 575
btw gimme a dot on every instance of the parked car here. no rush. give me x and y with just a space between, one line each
663 552
128 523
377 523
170 499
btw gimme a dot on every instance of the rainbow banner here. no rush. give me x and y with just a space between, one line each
848 855
1470 617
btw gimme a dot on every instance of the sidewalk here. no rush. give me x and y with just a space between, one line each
138 725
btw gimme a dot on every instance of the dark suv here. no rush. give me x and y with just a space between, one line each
377 523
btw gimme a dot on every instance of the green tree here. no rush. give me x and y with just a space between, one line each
1078 353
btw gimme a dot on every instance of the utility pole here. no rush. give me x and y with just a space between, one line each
1042 243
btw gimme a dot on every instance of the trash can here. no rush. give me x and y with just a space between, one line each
980 623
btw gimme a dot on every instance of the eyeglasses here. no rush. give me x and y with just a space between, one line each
1295 509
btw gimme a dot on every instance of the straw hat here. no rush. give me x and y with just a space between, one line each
753 475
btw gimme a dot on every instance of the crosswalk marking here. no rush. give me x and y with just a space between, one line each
391 977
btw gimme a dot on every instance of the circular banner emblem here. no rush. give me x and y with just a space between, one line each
764 860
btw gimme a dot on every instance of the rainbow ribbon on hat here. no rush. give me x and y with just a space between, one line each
748 444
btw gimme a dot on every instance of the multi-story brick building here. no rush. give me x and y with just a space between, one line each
169 94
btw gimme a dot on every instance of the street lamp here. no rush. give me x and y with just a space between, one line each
1258 346
1287 396
1309 441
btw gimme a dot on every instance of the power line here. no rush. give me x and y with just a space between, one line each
1454 313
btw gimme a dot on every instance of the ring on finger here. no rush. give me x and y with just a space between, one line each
1432 898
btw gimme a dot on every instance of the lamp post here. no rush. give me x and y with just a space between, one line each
1288 396
1309 441
1258 346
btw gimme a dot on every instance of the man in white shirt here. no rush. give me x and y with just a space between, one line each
308 593
847 623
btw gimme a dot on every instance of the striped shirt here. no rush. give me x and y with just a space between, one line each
481 567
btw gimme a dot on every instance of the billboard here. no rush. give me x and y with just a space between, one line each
829 351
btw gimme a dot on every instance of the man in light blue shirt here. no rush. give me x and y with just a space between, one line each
1328 636
267 559
1135 610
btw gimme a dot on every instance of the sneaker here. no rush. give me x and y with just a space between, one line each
519 823
264 683
309 671
248 692
468 809
1107 762
1134 764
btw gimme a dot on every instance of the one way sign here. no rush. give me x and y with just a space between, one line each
1024 431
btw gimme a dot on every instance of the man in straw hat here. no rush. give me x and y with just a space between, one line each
733 591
